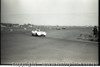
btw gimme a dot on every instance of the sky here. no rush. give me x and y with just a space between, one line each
50 12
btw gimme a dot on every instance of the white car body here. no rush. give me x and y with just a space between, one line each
38 33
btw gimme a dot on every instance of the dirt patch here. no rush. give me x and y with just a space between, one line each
88 37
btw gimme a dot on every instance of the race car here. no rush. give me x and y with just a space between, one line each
38 33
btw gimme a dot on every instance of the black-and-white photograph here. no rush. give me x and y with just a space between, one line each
49 31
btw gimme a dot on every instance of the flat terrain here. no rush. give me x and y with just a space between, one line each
57 47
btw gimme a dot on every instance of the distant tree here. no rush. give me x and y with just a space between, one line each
28 24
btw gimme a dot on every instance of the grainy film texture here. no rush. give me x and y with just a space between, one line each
49 31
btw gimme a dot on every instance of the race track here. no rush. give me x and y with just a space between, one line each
22 47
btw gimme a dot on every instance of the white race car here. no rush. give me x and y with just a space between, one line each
38 33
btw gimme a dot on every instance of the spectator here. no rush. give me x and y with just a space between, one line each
95 31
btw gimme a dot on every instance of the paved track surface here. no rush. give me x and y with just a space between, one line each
22 48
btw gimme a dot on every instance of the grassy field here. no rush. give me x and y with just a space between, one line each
76 33
58 46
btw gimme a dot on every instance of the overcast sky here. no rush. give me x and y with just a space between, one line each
50 12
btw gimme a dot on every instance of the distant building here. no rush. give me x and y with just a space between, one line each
16 25
30 26
7 24
2 25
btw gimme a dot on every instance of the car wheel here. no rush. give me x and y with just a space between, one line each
36 34
43 35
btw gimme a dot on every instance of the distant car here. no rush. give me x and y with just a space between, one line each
38 33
